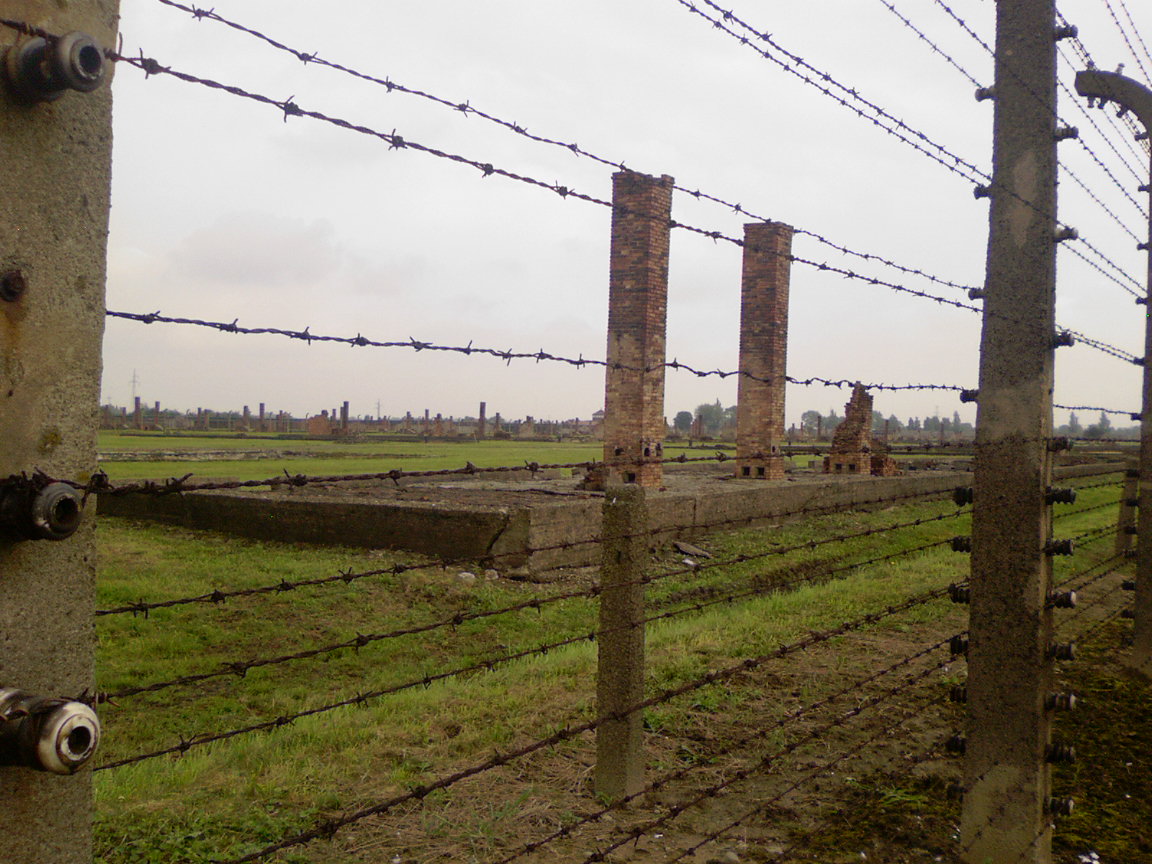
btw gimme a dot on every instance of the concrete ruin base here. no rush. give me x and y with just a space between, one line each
530 526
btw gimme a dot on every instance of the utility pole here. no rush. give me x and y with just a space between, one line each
1135 97
54 191
1006 778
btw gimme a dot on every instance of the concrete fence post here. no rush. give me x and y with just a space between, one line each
763 350
1130 95
54 189
1126 520
637 319
620 671
1005 815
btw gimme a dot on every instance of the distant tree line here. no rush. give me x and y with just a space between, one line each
715 421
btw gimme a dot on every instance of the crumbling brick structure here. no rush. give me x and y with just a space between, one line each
763 350
852 451
637 312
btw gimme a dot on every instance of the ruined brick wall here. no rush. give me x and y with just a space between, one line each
637 312
852 440
763 350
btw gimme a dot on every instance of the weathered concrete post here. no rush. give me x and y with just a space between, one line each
763 350
620 670
637 316
55 192
1126 520
1137 98
1006 777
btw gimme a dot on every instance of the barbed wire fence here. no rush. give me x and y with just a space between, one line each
918 682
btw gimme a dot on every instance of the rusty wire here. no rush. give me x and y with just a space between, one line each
491 663
508 355
218 596
1127 41
974 173
822 81
1116 270
241 667
466 108
1086 58
328 827
923 37
395 141
680 773
992 53
972 80
360 341
812 774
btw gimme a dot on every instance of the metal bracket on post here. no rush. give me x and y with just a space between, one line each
55 735
39 70
1133 96
34 509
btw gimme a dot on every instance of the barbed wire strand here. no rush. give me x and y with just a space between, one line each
1119 274
361 640
491 663
814 773
508 355
665 779
466 108
217 596
972 80
330 826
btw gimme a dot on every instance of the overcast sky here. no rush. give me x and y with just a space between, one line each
223 211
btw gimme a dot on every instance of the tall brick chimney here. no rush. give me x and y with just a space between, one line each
637 312
763 350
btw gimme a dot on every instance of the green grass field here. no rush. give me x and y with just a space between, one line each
222 799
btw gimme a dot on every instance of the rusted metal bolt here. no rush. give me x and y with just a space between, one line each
1061 495
961 544
54 735
39 70
12 286
50 513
